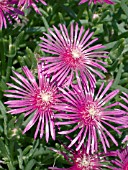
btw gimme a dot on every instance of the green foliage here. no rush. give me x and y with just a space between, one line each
19 46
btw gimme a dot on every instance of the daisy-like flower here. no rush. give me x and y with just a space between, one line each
72 55
81 160
8 12
120 161
97 1
37 99
28 3
91 116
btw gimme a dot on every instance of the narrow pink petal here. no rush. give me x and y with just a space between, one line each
32 122
37 128
69 131
42 126
82 141
77 137
105 90
46 127
52 126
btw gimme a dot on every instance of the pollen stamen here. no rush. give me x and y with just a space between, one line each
46 97
76 53
83 162
92 111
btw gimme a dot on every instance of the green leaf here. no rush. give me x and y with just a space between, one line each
19 39
32 151
3 85
45 23
124 7
3 111
117 49
20 159
30 164
32 58
122 89
10 166
21 61
35 30
3 149
118 76
27 149
113 66
2 57
69 11
11 51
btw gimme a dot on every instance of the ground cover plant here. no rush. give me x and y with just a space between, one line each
63 84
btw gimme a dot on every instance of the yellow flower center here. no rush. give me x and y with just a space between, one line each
83 162
92 111
76 53
46 97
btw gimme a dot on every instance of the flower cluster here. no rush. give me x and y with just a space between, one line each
11 9
27 3
8 11
81 160
63 96
66 94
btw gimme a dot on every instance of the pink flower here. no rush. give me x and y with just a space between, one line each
81 160
120 161
28 3
31 98
72 54
7 11
90 115
96 1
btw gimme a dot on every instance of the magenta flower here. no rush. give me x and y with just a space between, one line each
91 115
31 98
72 54
120 161
7 11
97 1
81 160
28 3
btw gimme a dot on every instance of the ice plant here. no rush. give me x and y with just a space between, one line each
120 161
72 54
8 12
97 1
28 3
81 160
91 115
39 99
